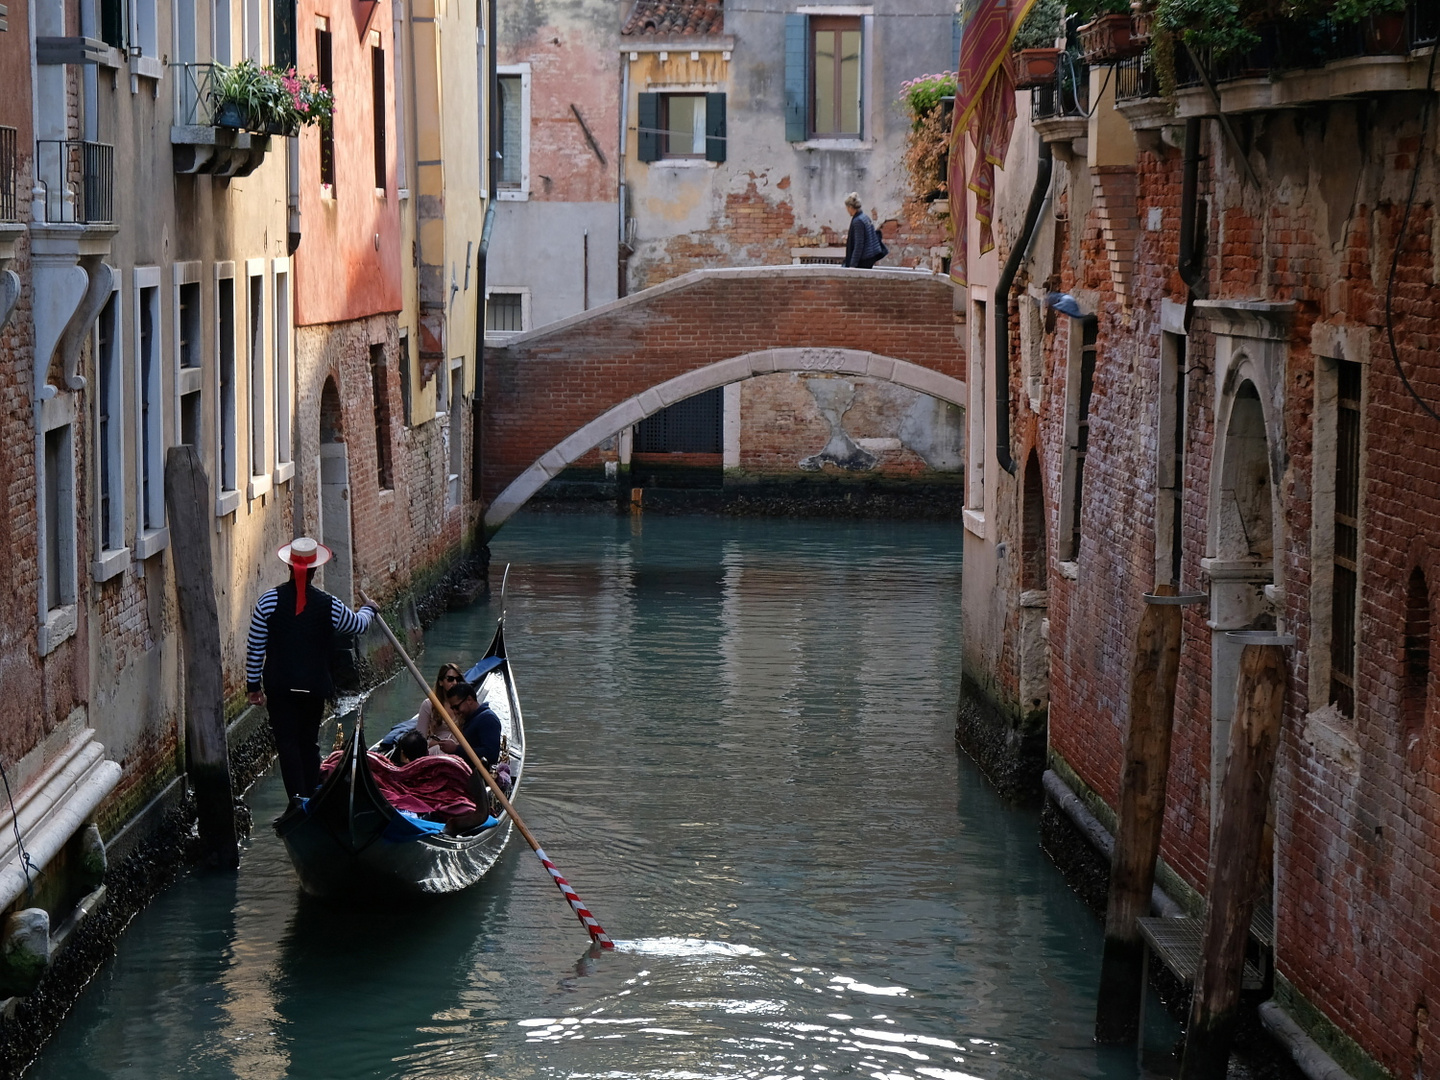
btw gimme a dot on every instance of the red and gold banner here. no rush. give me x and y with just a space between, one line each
984 110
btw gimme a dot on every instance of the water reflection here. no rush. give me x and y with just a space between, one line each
741 755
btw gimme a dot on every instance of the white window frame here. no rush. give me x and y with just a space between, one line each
222 32
188 380
110 561
976 381
455 426
149 398
526 317
258 379
57 624
866 15
254 24
145 38
227 498
522 193
282 370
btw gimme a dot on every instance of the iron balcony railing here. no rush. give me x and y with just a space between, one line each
1295 44
77 179
1068 95
1135 78
9 180
194 105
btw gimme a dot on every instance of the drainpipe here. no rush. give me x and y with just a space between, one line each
623 268
1190 259
1038 195
482 259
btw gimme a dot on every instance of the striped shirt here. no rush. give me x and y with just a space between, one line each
344 621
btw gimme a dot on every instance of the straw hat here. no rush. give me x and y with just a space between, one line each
305 552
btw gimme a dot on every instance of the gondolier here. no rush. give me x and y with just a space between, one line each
287 660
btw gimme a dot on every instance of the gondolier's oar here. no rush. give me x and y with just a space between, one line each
593 928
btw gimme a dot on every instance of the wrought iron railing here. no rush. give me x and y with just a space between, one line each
194 104
9 175
1135 78
1311 43
1068 95
77 179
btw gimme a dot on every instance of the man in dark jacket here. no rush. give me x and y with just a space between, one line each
863 246
288 654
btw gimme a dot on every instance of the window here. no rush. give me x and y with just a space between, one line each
113 23
189 376
403 355
504 312
282 34
1416 698
1345 574
1079 383
145 31
109 437
221 31
59 518
225 417
325 71
255 339
514 148
676 126
455 433
1033 555
254 46
824 77
377 84
975 387
380 390
284 377
692 426
150 409
1170 459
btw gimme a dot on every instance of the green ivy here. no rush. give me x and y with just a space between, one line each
1041 27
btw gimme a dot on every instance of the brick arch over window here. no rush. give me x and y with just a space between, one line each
1033 548
735 369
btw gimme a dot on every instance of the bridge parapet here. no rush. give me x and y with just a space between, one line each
555 393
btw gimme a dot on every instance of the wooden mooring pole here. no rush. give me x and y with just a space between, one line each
1142 812
1235 871
207 755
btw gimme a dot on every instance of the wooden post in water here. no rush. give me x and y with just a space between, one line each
1142 811
207 756
1235 861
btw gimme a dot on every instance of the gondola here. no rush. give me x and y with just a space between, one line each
346 840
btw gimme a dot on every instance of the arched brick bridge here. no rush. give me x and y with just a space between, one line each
553 394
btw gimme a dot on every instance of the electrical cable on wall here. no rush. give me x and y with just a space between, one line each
1400 241
26 863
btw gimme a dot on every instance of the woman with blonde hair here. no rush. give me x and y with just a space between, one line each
863 246
427 723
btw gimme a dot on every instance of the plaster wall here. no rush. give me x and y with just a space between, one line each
539 247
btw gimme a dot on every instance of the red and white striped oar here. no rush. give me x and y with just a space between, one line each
593 928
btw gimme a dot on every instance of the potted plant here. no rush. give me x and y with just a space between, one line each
1382 24
241 95
1108 32
1037 60
930 101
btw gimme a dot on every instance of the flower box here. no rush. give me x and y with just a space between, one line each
1142 27
1109 38
1036 67
231 114
1385 33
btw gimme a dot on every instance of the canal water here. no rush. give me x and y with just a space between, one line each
741 756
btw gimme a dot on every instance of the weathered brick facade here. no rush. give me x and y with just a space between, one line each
1295 273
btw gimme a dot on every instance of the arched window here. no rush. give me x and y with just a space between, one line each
1415 701
1032 539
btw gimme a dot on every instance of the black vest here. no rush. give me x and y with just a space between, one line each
297 654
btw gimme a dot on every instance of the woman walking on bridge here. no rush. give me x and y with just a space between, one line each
863 246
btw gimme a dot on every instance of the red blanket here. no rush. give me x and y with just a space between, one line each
435 784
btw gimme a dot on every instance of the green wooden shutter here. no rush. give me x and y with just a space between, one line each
714 127
797 78
648 142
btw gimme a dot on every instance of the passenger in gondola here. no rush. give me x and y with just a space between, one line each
477 721
430 725
410 746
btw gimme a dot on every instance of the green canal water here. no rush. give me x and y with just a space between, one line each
741 756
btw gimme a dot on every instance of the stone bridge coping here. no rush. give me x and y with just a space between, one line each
728 273
735 369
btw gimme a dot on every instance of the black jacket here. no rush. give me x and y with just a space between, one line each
863 246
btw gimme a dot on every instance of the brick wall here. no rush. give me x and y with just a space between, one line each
1357 802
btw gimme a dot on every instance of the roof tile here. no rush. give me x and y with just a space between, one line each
668 17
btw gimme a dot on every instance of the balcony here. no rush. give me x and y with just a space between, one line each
1060 111
199 144
1303 62
76 182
